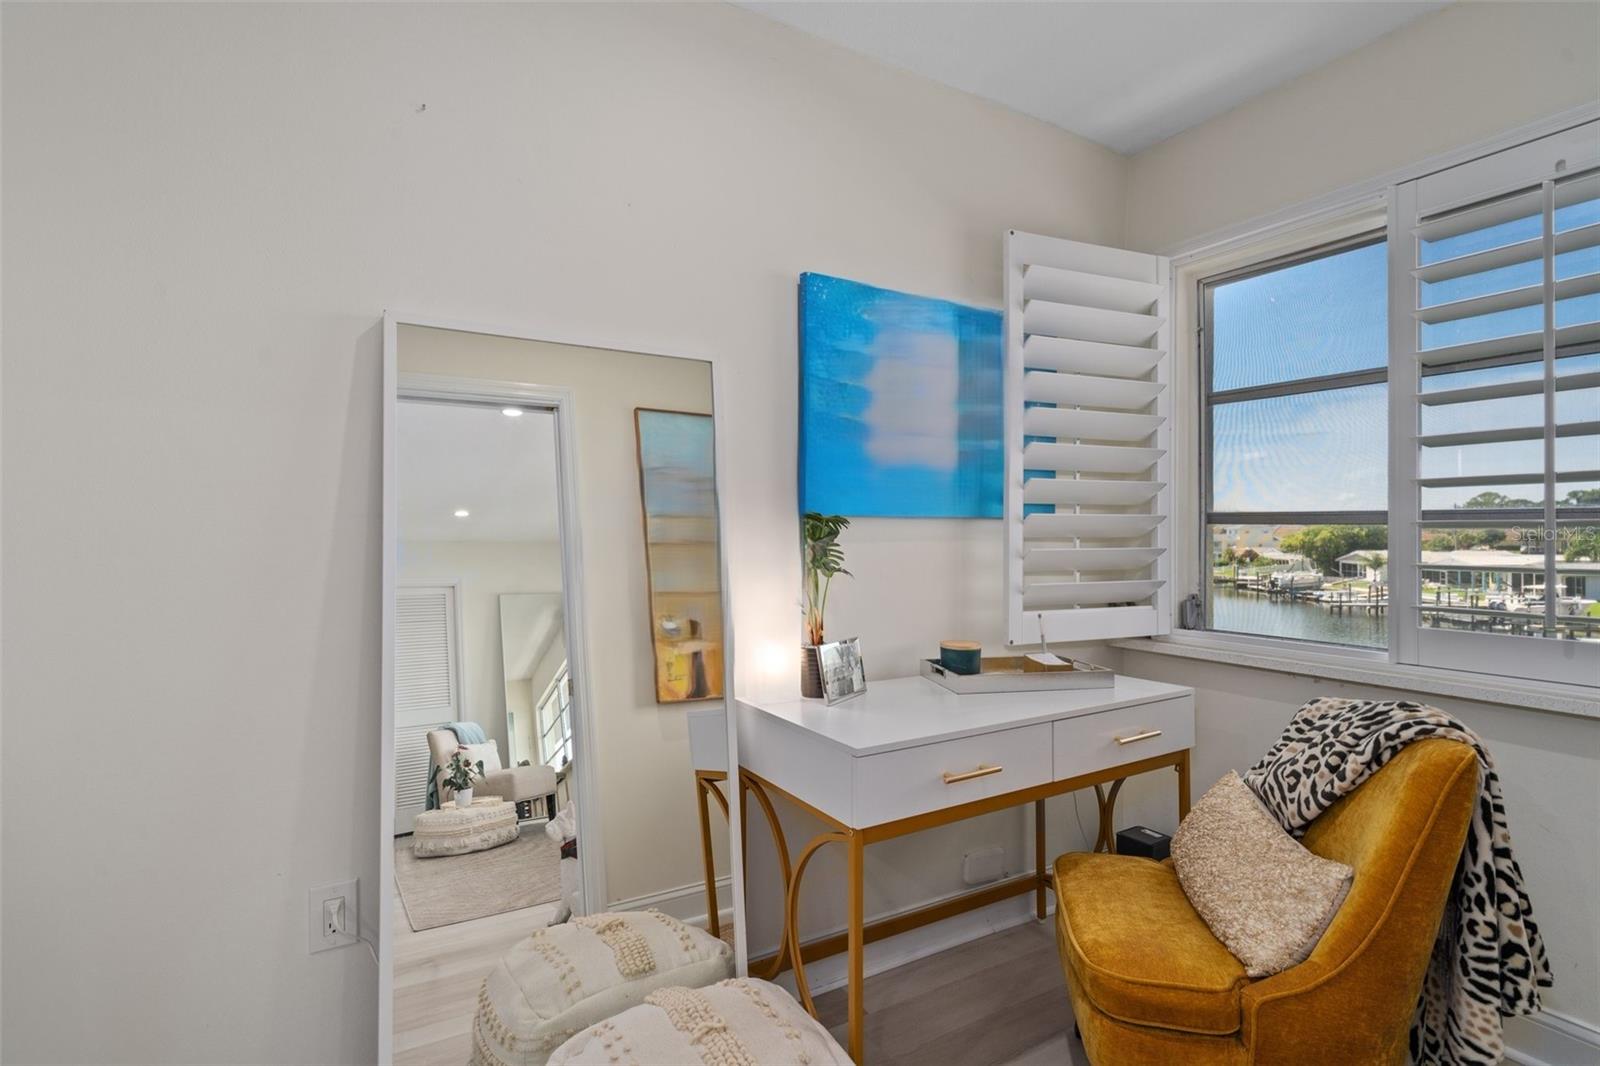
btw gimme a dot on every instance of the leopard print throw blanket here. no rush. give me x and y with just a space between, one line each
1489 959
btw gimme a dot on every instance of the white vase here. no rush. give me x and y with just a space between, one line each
464 798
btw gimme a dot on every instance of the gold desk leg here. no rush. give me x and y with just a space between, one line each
857 945
790 876
1038 855
791 916
1183 784
1107 838
704 782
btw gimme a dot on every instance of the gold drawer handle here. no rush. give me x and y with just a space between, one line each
981 771
1146 735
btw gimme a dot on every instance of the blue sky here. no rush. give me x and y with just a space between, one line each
1328 450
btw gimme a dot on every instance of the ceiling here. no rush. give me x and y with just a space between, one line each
1127 75
501 470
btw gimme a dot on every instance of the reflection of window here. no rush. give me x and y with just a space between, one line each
1296 359
554 720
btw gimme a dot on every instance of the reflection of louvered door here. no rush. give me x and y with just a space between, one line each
426 688
410 775
1087 419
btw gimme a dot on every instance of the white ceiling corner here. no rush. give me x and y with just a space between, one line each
1127 75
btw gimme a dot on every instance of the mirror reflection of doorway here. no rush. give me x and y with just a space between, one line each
483 724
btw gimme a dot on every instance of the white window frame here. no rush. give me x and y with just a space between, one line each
1203 334
1340 213
558 690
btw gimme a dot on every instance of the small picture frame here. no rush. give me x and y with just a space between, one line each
843 674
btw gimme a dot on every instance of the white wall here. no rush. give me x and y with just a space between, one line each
1453 78
485 568
206 209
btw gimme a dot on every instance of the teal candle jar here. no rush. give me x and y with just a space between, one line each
961 656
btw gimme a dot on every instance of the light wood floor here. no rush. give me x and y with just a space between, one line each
996 1000
436 977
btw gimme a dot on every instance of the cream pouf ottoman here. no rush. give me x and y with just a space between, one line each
565 978
452 830
740 1022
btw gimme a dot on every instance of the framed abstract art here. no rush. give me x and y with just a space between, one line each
900 404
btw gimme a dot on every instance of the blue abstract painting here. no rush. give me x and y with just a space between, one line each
900 404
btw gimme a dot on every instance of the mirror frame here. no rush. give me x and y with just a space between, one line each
559 400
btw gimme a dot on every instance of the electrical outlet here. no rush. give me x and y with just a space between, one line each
984 865
335 916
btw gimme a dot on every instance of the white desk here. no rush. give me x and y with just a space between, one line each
909 755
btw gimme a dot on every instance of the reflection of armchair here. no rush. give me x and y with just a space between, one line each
515 784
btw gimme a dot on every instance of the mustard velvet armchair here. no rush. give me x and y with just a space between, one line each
1150 985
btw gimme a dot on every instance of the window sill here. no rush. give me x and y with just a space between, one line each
1561 699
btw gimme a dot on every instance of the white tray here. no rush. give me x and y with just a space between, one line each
1006 675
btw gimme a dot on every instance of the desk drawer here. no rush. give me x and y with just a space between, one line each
1090 742
898 784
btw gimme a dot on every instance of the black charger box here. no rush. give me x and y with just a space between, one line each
1141 840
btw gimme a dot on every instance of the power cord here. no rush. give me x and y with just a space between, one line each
1077 816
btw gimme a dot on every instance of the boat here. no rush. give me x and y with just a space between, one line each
1295 579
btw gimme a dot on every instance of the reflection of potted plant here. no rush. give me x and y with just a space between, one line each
822 559
458 775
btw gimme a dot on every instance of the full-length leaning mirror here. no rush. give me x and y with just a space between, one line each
556 657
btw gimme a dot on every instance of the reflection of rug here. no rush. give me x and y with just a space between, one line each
458 888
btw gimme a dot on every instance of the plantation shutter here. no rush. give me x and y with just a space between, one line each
1088 430
1495 405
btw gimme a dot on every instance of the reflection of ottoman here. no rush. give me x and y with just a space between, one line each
740 1021
565 978
486 824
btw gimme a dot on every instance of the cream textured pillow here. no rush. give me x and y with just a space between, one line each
561 980
741 1022
1262 893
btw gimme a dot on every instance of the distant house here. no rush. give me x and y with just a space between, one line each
1489 568
1355 565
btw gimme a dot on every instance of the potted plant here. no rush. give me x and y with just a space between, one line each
823 560
459 774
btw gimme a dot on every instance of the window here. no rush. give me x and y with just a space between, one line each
1401 431
555 721
1295 365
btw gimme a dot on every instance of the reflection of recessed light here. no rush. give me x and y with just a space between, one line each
462 512
511 412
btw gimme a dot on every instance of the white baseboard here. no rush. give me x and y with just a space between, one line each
1551 1039
687 903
